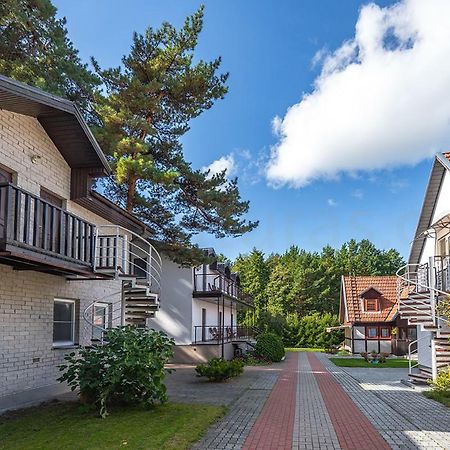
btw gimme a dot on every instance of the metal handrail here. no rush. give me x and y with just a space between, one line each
125 252
405 281
410 353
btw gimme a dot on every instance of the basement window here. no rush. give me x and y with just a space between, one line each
63 323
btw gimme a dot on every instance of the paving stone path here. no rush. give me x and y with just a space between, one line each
309 403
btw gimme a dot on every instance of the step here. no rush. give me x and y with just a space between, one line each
419 378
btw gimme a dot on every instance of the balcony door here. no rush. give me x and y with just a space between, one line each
5 177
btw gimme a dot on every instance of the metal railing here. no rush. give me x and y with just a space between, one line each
220 284
413 353
29 222
127 254
218 334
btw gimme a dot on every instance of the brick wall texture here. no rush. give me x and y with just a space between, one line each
27 357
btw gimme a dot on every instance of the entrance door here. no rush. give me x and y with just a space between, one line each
5 177
203 324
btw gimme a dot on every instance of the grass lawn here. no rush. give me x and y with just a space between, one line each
441 398
360 362
66 425
304 349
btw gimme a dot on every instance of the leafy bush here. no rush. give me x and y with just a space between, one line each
128 368
218 369
270 346
442 382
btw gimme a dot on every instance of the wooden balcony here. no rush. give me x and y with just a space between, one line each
36 235
215 285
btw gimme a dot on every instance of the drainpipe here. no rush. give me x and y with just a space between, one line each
223 326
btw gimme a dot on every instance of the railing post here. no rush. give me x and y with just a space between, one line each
432 285
433 359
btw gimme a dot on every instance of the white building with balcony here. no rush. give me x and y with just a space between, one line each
425 281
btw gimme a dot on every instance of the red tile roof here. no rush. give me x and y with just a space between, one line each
447 155
352 289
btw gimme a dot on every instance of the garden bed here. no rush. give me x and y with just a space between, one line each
360 362
68 425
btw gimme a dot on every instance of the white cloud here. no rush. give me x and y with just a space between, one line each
358 193
382 99
226 163
331 202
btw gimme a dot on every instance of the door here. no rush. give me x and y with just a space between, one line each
5 177
203 324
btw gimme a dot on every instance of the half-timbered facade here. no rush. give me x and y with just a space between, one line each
369 314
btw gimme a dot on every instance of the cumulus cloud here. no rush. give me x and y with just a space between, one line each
331 202
382 99
226 163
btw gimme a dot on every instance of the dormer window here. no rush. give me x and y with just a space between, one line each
370 299
371 305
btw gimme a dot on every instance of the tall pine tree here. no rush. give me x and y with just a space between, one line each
149 104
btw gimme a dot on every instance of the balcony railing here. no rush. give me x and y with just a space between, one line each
214 334
31 223
442 265
219 284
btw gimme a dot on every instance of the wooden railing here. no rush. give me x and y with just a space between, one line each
220 284
28 222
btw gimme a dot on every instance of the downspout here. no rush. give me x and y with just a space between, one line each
223 326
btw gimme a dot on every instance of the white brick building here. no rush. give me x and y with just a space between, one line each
62 246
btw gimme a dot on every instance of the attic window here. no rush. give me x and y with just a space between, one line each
371 305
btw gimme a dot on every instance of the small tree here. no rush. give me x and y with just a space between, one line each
128 368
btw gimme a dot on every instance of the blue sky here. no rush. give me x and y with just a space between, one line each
268 48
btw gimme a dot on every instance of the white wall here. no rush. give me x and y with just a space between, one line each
212 316
175 314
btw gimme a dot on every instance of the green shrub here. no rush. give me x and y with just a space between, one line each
311 331
128 368
442 382
218 369
270 346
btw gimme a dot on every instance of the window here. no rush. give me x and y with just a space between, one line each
372 332
371 304
100 320
385 332
63 322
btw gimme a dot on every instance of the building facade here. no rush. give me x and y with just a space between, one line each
71 263
425 281
369 315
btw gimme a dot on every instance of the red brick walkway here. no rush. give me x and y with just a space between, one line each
353 429
275 425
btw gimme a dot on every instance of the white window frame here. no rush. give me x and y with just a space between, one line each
105 306
73 320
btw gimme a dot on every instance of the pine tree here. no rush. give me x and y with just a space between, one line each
35 49
149 104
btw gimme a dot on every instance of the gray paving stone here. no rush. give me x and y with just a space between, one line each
313 428
405 418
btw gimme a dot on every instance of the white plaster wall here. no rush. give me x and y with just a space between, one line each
424 347
175 314
212 315
359 333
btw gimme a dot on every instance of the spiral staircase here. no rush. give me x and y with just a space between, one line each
123 255
420 288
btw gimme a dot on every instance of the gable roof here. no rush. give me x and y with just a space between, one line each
440 165
61 120
352 289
